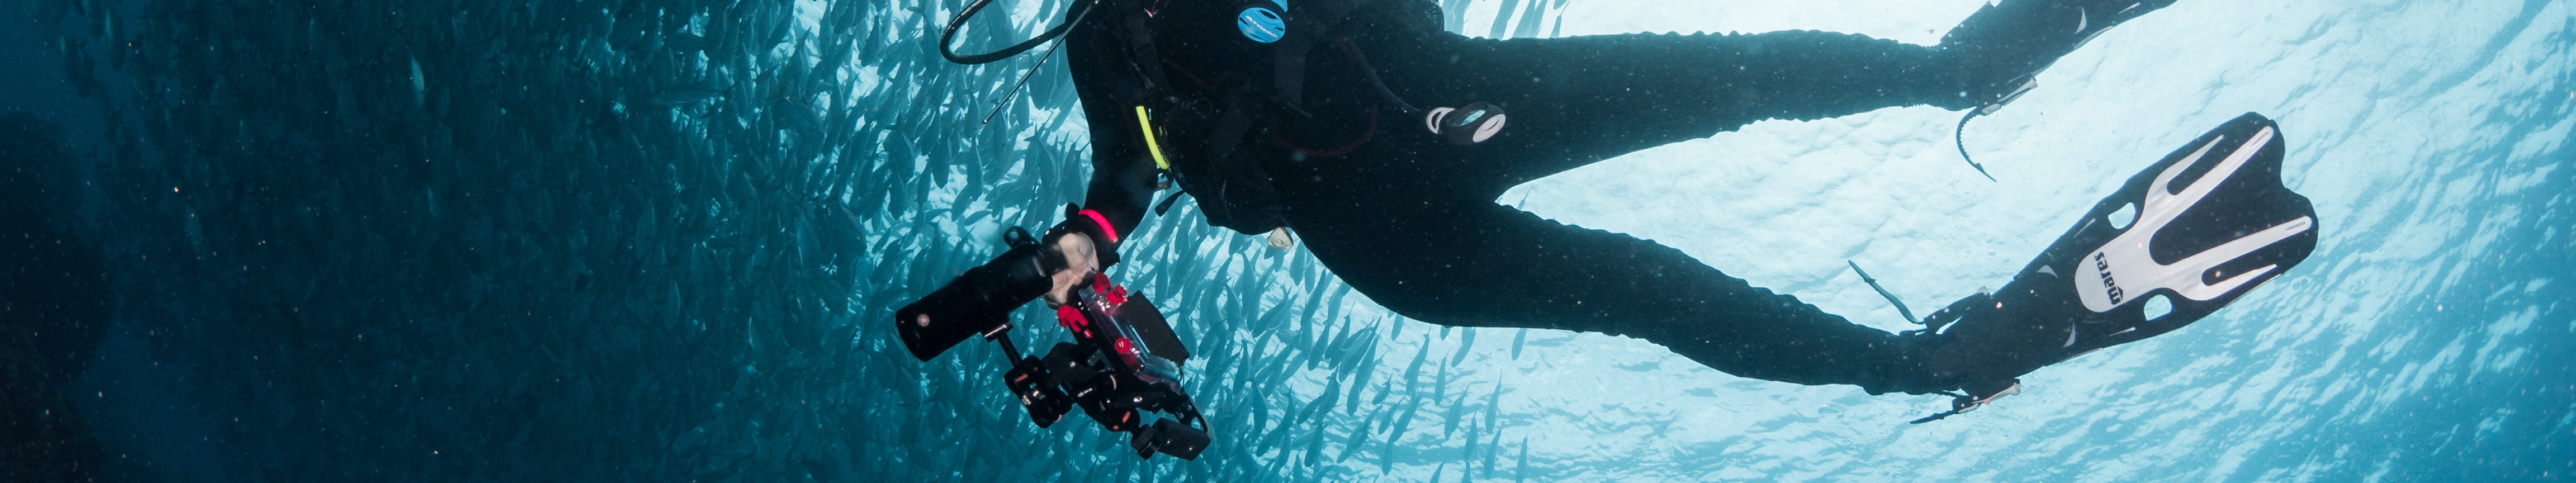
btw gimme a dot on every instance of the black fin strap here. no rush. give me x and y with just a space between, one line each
1882 292
1958 402
1932 324
1959 136
1934 417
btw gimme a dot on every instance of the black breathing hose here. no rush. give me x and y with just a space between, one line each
950 33
1370 72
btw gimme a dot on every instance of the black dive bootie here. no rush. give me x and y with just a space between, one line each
2001 49
2185 237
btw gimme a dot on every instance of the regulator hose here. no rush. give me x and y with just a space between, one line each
950 33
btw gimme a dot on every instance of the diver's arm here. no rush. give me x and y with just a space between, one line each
1123 172
1122 184
1121 188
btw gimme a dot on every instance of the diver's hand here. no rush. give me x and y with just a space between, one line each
1081 260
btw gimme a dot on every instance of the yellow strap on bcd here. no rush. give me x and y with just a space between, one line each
1150 145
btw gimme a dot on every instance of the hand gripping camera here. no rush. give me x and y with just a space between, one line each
1122 368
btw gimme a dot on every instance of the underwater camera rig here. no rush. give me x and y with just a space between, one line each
1122 368
1114 370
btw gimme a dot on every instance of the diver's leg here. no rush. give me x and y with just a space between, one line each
1999 51
1576 100
1483 265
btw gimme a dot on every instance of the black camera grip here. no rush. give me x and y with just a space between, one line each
974 303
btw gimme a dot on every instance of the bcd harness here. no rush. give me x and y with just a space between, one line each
1232 188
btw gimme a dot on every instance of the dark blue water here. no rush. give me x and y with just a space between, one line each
659 240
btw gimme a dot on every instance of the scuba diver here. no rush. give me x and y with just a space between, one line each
1310 115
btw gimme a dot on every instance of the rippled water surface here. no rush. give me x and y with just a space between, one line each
658 240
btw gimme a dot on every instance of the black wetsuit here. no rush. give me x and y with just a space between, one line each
1412 222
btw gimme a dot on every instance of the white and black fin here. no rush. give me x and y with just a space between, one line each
2198 229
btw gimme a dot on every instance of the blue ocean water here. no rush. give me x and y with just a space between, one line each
658 240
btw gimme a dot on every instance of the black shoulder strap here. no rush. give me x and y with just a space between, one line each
1141 56
1309 25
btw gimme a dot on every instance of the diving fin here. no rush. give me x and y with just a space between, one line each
2197 230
